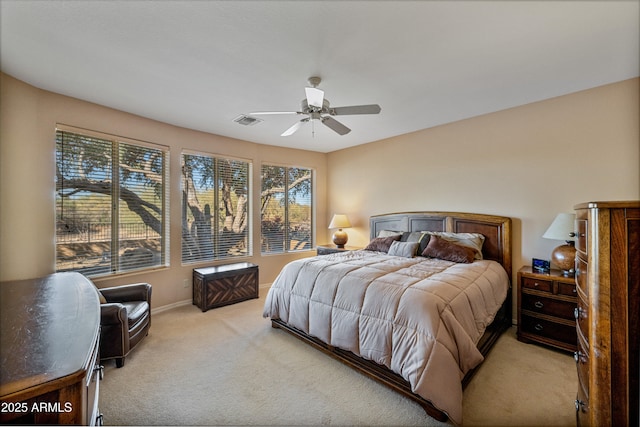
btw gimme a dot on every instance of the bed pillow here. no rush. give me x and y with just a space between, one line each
422 237
447 250
470 240
404 249
382 244
387 233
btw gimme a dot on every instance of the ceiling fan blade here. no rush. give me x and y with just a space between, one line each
356 109
258 113
335 125
294 128
315 96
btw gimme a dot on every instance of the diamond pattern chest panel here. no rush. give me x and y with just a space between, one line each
224 284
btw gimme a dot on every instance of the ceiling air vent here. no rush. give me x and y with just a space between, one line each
246 120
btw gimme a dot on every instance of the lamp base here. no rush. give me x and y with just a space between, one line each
564 257
340 238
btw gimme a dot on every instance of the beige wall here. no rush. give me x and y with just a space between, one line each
28 117
528 163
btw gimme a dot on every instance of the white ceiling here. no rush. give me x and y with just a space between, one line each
200 64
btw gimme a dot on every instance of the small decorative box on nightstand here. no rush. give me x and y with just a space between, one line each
546 305
224 284
332 249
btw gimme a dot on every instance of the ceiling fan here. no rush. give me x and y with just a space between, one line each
316 107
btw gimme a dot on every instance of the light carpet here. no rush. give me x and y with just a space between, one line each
229 367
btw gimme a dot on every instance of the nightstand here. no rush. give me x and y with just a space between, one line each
333 249
546 305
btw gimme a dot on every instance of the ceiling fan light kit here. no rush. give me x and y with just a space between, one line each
316 107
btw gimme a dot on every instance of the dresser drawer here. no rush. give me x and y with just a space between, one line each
581 314
581 275
549 306
582 408
581 229
546 328
581 357
538 284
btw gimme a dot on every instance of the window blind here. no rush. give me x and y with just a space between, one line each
215 208
111 200
286 209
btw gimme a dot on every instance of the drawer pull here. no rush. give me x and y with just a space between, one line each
579 357
538 327
538 304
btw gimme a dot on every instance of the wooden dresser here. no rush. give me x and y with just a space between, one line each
49 351
608 313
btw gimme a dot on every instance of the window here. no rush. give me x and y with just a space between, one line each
111 203
286 209
215 208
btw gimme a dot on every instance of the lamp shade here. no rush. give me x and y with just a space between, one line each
561 228
339 221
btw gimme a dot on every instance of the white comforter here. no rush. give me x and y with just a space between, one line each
420 317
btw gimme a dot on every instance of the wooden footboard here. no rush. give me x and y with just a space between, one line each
389 378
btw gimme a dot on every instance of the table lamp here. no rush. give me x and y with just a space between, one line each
564 256
340 237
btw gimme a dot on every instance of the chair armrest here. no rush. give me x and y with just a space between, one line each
133 292
114 314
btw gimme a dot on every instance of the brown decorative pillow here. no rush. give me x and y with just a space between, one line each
443 249
382 244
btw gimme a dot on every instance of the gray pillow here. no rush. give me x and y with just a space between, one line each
403 249
382 244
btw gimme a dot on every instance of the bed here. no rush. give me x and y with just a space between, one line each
418 324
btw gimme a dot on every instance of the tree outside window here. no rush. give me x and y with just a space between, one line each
111 201
215 208
286 209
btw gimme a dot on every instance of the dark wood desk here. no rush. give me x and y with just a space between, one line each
49 350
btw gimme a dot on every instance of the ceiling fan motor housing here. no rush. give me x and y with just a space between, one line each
306 109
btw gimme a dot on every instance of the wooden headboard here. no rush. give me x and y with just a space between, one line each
495 229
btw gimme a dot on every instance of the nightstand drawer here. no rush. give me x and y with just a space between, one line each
537 284
568 289
548 329
549 306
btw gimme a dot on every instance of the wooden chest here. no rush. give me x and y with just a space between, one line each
224 284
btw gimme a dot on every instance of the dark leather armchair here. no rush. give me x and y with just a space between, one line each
125 319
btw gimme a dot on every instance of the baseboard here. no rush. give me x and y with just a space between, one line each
170 306
263 286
